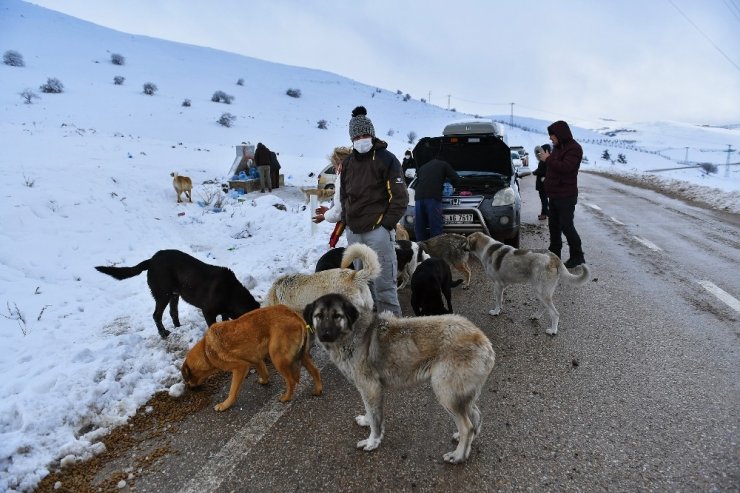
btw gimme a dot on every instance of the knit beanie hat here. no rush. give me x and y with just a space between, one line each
360 124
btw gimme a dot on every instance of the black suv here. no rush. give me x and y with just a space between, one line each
486 198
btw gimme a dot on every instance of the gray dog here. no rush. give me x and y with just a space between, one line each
379 352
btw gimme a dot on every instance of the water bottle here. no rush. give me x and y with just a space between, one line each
447 189
242 175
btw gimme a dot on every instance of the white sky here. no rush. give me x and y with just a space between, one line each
578 59
84 181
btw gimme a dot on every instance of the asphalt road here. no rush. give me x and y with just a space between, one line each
639 391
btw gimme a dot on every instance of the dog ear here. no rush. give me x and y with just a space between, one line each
351 312
185 370
308 313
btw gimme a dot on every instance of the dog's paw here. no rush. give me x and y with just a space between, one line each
456 436
551 331
466 286
362 420
494 312
369 444
223 406
453 457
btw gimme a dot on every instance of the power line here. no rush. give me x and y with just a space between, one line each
705 36
732 8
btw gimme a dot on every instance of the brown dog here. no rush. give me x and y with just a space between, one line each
237 345
401 233
182 184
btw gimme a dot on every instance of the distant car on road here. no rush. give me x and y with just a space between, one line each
523 154
516 160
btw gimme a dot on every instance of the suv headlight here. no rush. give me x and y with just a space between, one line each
505 196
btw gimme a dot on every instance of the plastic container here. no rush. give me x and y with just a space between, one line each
447 189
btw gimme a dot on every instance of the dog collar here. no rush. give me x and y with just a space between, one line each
309 328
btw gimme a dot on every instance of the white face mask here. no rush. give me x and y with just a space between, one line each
363 145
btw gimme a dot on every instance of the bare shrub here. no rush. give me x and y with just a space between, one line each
150 89
28 181
118 80
411 136
52 85
222 97
186 103
391 132
293 93
240 82
226 120
15 313
28 96
117 59
13 58
322 124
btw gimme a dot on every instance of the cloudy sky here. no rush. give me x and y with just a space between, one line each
631 60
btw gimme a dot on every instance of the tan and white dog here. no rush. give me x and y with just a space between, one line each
380 352
322 194
506 265
182 184
298 290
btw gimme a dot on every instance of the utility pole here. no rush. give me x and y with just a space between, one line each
686 159
448 101
727 165
429 99
511 119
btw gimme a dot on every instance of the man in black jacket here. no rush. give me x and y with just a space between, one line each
430 179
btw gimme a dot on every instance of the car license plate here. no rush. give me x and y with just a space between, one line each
458 218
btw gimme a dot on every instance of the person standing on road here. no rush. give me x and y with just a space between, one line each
374 197
539 183
262 160
430 180
561 186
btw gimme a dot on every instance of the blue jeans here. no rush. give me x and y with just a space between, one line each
428 215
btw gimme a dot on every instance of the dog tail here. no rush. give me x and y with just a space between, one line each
574 279
368 257
121 273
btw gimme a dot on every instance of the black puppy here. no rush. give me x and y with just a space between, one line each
172 273
432 279
331 260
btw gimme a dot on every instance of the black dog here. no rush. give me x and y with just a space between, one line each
331 260
172 273
431 279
